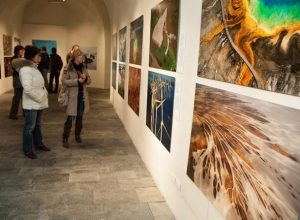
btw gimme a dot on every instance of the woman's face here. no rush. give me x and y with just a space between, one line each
36 59
79 59
21 53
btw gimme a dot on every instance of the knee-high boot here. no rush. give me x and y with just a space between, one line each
78 128
66 134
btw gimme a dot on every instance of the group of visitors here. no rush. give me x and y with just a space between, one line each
30 68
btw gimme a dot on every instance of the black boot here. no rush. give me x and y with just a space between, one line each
66 134
78 128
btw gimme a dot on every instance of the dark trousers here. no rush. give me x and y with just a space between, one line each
78 118
32 132
52 77
45 76
18 92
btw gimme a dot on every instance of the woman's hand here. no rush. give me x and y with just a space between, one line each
83 76
81 80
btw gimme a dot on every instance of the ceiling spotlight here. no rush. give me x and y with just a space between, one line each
56 1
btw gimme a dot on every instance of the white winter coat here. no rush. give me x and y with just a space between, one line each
35 95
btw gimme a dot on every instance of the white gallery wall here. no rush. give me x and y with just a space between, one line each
9 25
46 32
169 169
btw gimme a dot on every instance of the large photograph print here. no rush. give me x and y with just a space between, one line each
244 155
90 57
7 45
122 44
252 43
136 41
164 35
160 103
121 80
8 70
49 44
134 86
114 75
114 47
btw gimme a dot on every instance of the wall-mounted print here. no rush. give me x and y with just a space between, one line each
122 44
121 80
160 103
244 155
0 71
17 41
252 43
91 57
114 75
49 44
8 66
164 35
7 45
134 87
114 47
136 41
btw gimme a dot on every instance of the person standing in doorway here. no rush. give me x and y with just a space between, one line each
75 81
44 65
18 90
56 65
35 99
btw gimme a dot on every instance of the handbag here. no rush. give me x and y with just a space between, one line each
63 97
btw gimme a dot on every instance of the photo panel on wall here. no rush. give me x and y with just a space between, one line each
114 75
8 70
160 104
121 80
17 41
49 44
164 35
259 50
244 155
90 57
134 87
136 41
7 45
122 44
114 46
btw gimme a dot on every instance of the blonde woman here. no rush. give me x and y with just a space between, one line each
75 81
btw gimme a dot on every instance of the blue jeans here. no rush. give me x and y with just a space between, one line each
32 130
80 110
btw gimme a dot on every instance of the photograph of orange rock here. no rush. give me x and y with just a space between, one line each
244 155
134 89
252 43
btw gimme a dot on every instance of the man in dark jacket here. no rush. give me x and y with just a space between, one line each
18 90
44 64
56 65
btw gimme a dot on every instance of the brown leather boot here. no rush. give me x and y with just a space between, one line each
66 134
78 128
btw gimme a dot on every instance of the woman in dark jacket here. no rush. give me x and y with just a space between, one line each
18 90
75 81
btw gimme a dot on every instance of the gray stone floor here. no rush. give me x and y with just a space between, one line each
104 178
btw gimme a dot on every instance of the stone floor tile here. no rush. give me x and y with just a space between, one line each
150 194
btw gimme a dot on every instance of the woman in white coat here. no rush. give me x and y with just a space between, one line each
35 99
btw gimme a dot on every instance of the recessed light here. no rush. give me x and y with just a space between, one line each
56 1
